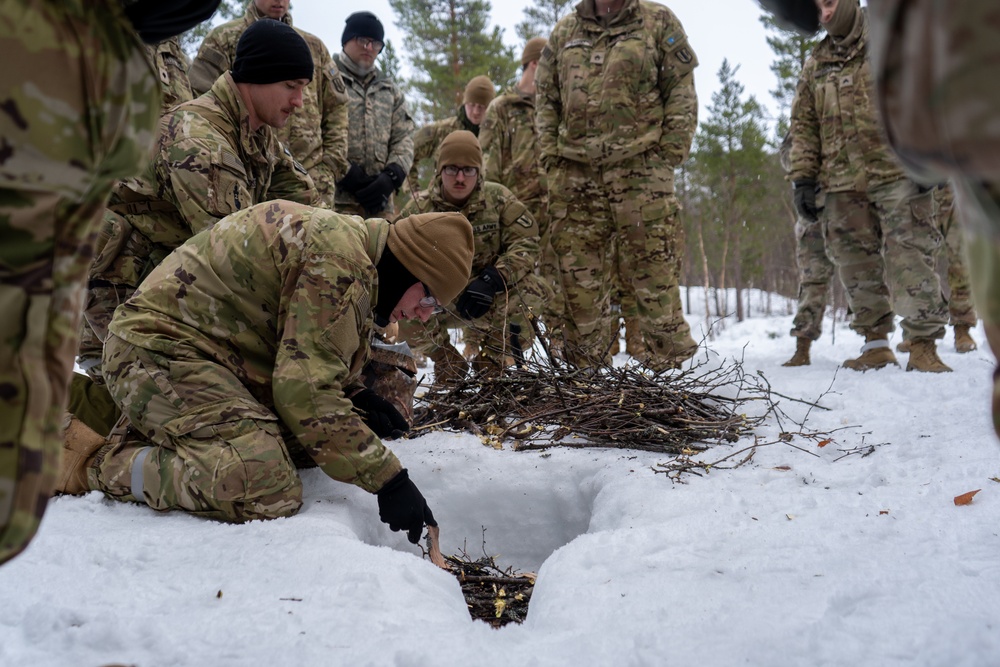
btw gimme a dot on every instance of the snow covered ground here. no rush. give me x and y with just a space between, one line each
803 557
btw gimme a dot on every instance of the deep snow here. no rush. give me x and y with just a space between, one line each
805 556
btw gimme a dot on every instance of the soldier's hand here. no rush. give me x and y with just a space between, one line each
354 179
805 199
375 196
478 297
402 506
379 415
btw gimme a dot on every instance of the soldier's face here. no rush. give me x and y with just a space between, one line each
274 9
474 112
457 187
409 306
362 50
274 103
826 9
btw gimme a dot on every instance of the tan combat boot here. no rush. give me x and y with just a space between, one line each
875 354
79 449
801 356
449 365
633 337
924 357
963 340
903 347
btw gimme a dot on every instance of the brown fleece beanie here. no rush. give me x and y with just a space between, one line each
460 148
842 21
437 249
479 90
533 50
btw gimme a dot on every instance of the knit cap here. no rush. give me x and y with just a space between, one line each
460 148
437 249
362 24
270 51
533 50
479 90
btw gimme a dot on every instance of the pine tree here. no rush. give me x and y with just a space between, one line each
389 63
791 50
448 43
540 19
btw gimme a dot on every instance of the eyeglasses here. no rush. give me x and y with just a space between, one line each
452 170
369 43
429 301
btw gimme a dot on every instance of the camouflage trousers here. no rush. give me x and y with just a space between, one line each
884 244
815 271
625 212
80 102
102 300
198 441
960 307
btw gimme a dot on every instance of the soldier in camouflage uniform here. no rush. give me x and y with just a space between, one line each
316 134
380 145
878 223
88 399
616 113
511 157
815 271
478 94
506 241
215 155
80 104
246 345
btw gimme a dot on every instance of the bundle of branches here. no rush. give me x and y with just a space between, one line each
493 595
542 404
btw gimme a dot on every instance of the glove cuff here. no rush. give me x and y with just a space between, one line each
396 173
401 479
493 277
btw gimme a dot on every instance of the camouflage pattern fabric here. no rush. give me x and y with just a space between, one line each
616 113
80 104
171 65
505 236
257 327
815 272
880 230
837 138
960 307
627 201
427 142
511 157
884 244
380 128
316 134
392 374
207 165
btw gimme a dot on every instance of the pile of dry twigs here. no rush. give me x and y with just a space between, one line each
542 404
493 595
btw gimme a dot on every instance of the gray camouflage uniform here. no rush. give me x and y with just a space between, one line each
380 131
238 353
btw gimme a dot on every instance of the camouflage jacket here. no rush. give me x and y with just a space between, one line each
511 153
607 93
504 233
316 134
171 64
280 295
837 138
427 140
207 164
381 129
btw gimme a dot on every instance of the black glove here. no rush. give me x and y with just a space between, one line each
375 196
800 15
401 505
805 199
478 296
379 414
354 179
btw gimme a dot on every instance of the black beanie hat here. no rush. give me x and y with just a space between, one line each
270 51
362 24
